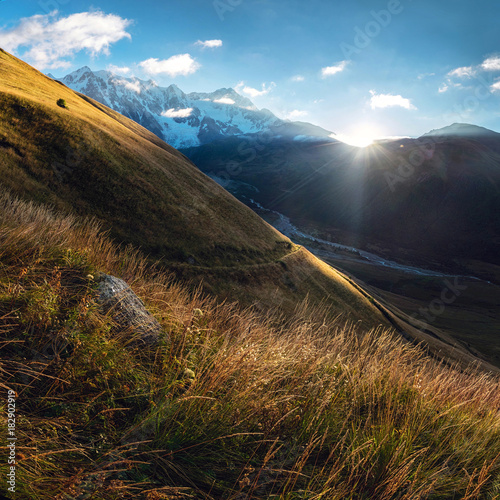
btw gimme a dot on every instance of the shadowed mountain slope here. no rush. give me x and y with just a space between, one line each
427 201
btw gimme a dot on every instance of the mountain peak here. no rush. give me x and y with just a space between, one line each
82 71
174 89
78 75
104 74
461 130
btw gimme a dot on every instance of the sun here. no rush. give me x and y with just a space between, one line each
361 136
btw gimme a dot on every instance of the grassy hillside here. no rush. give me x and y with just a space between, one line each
94 161
86 159
233 406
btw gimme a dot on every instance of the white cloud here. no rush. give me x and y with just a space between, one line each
295 114
134 86
177 113
241 87
450 84
118 70
464 72
298 78
182 64
495 87
389 101
491 64
224 100
467 72
209 44
333 70
49 39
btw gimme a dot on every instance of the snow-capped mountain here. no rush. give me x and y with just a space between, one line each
185 120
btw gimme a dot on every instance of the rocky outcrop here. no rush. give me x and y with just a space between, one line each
127 310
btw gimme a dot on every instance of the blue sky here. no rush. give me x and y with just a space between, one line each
360 68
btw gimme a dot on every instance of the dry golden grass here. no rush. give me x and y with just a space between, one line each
236 405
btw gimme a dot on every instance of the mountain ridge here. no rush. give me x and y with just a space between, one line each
462 130
184 119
